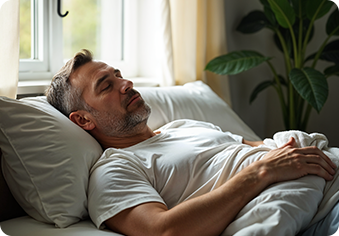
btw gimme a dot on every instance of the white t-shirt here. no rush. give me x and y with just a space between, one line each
184 161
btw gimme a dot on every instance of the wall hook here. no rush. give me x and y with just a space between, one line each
59 10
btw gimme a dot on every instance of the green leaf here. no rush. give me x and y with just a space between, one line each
311 85
299 6
332 70
286 34
310 57
283 11
269 13
263 85
332 25
282 80
265 2
252 22
235 62
270 16
319 7
259 88
331 52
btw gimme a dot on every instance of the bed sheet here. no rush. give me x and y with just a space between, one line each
327 226
30 227
27 226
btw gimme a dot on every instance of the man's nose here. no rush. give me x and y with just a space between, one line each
126 85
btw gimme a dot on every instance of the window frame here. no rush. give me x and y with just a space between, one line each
39 50
138 64
50 58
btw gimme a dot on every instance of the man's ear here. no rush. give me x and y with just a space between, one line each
82 119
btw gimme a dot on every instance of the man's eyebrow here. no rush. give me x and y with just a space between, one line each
99 81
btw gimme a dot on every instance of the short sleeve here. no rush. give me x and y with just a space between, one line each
117 184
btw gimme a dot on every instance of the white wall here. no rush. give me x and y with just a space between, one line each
264 115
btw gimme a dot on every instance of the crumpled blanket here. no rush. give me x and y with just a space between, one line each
289 207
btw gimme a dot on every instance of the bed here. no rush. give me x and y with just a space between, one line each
46 161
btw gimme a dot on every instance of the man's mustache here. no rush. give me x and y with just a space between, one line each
129 95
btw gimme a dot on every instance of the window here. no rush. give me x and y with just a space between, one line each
99 25
25 29
111 29
33 43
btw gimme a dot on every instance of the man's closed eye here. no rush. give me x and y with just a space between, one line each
106 88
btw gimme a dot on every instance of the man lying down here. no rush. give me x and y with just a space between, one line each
189 177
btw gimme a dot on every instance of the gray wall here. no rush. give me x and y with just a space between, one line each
264 115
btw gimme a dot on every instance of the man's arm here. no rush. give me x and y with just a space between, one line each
211 213
252 143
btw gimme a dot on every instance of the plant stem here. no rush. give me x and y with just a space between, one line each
310 29
291 105
286 54
323 45
300 34
316 58
300 103
300 106
292 122
306 117
279 91
295 48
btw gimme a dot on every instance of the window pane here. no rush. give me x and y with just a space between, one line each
25 29
95 25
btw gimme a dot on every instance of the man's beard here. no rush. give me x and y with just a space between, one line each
114 124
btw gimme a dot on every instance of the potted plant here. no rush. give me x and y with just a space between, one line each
302 87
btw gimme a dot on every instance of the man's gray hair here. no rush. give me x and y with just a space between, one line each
61 94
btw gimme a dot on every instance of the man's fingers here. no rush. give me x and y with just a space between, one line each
319 171
315 159
316 151
315 162
290 162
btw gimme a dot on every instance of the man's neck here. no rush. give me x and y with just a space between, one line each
126 140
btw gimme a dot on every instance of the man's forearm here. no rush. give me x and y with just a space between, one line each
211 213
252 143
208 214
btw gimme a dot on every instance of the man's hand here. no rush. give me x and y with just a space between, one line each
289 162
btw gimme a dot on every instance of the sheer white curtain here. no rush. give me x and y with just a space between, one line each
9 47
194 32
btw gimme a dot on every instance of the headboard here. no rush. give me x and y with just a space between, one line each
9 207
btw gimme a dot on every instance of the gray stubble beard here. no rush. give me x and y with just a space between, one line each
113 126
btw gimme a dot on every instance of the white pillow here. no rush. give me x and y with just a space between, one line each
194 100
46 160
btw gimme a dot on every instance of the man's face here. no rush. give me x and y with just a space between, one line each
116 108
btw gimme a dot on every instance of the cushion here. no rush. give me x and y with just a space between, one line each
47 158
194 100
9 207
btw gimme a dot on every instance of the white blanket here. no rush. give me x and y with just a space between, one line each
288 207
